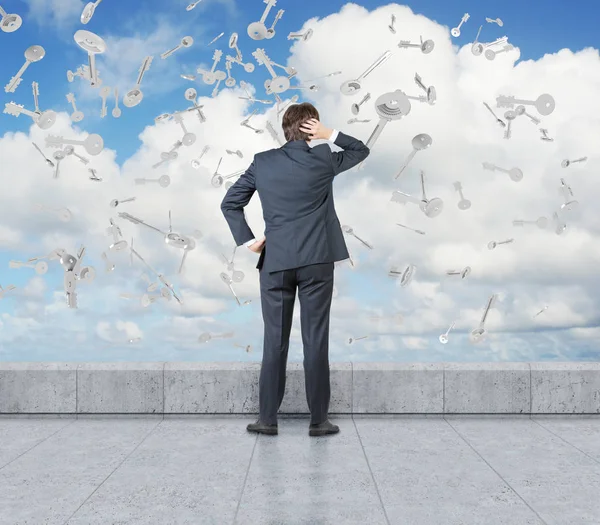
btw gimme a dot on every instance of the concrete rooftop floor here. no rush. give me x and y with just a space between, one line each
377 470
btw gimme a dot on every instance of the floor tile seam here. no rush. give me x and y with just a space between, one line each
387 519
530 391
495 471
237 509
566 441
38 443
114 470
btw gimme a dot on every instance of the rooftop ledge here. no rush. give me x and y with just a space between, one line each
356 388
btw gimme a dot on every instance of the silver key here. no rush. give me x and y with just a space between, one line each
515 174
88 11
351 87
250 97
114 203
493 244
540 222
70 150
211 76
186 41
43 120
541 311
301 36
444 337
509 116
116 112
569 204
389 106
420 142
464 273
545 136
135 95
32 54
215 39
9 288
356 106
350 231
229 281
498 120
94 177
196 162
494 21
94 45
9 23
169 155
278 83
273 132
430 92
420 232
406 276
246 124
40 267
192 95
426 46
477 335
62 214
118 243
455 31
76 116
392 27
237 152
430 207
163 181
463 204
356 121
566 163
188 138
192 5
93 143
520 110
48 161
544 104
490 54
206 337
258 30
271 30
58 157
104 94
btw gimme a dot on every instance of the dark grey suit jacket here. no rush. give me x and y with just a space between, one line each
294 184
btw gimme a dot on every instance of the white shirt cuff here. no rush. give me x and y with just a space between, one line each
334 135
250 242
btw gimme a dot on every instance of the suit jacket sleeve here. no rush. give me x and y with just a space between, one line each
354 153
232 206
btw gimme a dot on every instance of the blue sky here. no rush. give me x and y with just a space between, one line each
537 28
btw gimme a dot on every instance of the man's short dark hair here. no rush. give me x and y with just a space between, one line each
294 117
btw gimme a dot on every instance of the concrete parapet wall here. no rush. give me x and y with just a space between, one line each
356 388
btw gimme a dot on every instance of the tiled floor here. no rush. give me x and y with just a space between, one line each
378 470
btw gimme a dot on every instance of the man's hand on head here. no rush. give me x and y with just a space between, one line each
316 130
258 246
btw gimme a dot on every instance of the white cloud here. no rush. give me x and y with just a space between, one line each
56 13
539 268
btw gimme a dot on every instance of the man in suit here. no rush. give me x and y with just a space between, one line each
303 239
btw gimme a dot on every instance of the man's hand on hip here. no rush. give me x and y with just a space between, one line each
258 246
316 130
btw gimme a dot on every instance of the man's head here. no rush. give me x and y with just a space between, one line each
294 117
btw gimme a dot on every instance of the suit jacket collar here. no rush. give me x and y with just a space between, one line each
297 144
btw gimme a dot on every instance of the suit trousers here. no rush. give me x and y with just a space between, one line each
278 294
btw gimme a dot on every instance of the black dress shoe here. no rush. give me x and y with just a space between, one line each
323 429
262 428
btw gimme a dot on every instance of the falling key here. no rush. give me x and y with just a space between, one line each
93 143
